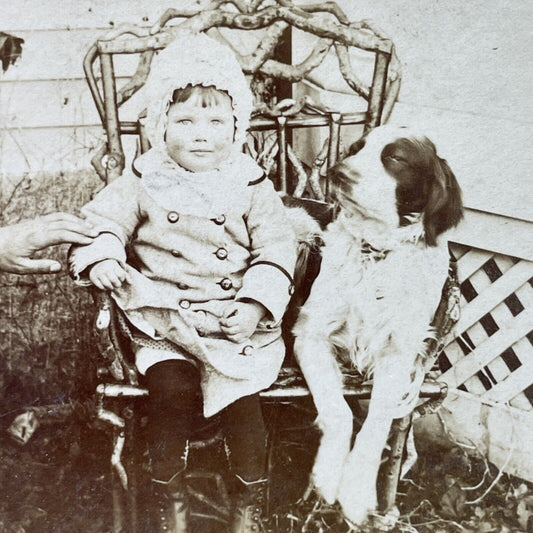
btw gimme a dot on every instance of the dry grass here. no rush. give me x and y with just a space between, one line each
45 322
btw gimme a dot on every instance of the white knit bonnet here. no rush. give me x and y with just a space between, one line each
195 59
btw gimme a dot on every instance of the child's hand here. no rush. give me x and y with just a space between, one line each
240 320
108 275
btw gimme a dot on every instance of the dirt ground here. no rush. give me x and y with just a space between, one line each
60 483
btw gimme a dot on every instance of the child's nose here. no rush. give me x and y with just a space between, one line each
201 131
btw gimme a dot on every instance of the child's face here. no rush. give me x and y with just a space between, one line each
200 138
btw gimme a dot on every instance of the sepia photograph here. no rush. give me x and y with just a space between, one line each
266 266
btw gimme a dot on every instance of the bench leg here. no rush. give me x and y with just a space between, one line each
125 500
390 474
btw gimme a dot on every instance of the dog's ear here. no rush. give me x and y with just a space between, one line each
444 208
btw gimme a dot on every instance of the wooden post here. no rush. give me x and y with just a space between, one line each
145 143
115 152
282 153
390 474
334 143
377 91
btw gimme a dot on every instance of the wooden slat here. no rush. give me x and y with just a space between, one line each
524 352
511 332
520 379
53 149
476 335
501 314
471 261
45 103
36 15
497 233
504 262
498 369
479 280
453 352
498 291
474 386
46 56
520 401
458 250
525 295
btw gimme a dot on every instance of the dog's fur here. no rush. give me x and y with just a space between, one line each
384 264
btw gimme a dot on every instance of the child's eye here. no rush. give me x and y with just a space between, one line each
216 121
184 121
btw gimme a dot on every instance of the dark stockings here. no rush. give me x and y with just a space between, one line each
175 405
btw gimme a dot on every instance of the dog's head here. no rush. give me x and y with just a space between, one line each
391 173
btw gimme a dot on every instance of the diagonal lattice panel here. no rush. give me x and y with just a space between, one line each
491 352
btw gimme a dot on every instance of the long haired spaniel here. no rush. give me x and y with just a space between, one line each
384 263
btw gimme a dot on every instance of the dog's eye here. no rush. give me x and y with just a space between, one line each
396 158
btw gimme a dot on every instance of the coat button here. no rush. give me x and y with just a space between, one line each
175 253
173 217
185 304
247 350
221 253
182 286
219 220
226 284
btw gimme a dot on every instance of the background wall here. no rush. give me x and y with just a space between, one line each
467 81
466 84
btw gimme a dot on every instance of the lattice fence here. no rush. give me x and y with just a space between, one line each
490 353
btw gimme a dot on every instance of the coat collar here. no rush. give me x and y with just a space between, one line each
196 193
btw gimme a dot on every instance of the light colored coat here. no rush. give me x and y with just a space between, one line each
199 241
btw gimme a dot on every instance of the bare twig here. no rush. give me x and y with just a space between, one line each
502 468
349 75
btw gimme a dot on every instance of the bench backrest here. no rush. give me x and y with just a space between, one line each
284 86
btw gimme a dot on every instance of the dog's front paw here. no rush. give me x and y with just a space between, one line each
357 488
327 470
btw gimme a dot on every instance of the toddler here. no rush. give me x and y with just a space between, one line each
208 273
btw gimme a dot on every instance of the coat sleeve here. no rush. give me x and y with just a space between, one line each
115 212
269 278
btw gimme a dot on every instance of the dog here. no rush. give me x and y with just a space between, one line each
384 263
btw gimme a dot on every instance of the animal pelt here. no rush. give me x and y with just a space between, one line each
384 263
308 218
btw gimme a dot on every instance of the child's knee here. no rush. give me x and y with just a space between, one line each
174 383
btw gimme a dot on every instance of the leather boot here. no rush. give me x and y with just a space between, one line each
249 507
170 506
